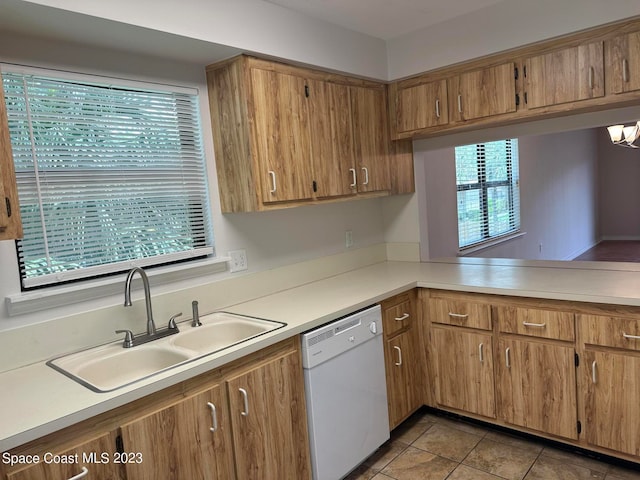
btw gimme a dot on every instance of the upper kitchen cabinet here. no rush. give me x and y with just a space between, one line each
371 138
563 76
286 135
10 223
483 93
281 123
418 103
623 63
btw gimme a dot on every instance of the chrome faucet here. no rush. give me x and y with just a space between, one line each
151 325
152 333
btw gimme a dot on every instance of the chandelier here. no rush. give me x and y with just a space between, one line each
625 136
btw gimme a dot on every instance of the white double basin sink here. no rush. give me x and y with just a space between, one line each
109 367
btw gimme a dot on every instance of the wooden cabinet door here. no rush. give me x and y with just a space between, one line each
97 456
422 106
612 391
10 222
623 63
536 386
331 138
564 76
402 366
177 441
483 93
371 138
268 415
281 135
464 370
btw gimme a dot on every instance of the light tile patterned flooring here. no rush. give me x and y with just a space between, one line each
431 447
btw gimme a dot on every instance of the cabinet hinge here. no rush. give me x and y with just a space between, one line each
577 359
8 204
315 186
579 427
517 100
515 72
119 444
306 91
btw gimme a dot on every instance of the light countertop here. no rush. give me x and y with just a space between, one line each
41 400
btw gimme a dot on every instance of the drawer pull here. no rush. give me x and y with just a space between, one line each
245 399
214 417
459 315
460 103
481 350
437 108
591 74
537 325
272 174
399 362
82 474
353 177
594 378
630 337
403 317
508 357
625 70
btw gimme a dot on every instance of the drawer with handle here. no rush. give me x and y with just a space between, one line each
460 312
536 322
616 332
397 318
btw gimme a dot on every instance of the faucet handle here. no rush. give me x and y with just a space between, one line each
128 338
172 321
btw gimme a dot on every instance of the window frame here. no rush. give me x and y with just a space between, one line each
172 265
482 186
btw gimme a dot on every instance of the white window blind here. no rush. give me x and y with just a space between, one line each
108 177
487 182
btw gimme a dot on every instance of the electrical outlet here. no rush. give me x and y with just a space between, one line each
348 239
238 260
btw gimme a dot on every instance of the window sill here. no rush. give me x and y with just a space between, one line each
490 243
28 302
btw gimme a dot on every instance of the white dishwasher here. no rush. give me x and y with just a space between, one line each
346 392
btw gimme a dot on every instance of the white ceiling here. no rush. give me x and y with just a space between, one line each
385 19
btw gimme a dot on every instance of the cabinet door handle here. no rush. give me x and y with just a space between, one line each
403 317
590 78
481 349
272 174
399 362
537 325
214 417
625 70
245 399
459 103
437 108
508 357
366 176
82 474
353 177
594 371
459 315
630 337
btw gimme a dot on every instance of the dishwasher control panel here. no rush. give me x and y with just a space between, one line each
328 341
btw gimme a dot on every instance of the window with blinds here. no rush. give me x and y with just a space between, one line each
488 185
109 177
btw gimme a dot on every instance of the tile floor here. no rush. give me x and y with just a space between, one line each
433 447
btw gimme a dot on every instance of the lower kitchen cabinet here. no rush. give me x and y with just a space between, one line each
612 395
245 420
464 370
402 356
268 418
536 386
97 457
189 439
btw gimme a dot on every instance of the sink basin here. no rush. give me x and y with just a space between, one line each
221 330
107 368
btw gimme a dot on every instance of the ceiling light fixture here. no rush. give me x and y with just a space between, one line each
625 136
